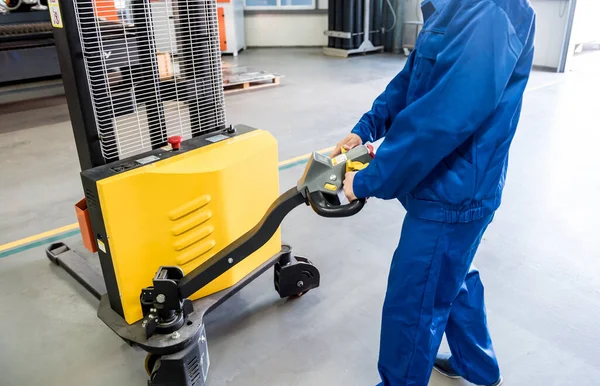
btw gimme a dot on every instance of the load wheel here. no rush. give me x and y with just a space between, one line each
295 276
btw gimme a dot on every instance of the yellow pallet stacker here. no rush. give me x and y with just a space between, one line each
174 255
183 210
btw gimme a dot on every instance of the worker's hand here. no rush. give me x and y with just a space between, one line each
348 190
351 141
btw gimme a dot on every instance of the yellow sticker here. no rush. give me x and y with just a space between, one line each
55 15
101 245
339 159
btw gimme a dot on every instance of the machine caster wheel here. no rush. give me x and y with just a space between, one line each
295 276
150 362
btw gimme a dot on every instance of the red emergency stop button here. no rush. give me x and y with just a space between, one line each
175 142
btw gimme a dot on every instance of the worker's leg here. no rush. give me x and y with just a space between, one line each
427 272
473 355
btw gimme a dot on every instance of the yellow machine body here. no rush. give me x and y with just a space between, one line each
184 209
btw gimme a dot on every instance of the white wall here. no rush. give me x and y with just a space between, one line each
412 10
586 26
278 30
552 17
272 29
412 13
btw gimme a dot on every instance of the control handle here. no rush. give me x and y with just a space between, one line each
325 208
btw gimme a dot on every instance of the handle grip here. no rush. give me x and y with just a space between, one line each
323 207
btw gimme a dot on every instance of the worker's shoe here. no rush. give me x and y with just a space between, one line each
442 366
498 382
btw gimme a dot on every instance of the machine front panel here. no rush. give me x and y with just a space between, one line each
184 209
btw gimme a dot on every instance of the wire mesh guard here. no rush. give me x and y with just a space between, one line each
154 70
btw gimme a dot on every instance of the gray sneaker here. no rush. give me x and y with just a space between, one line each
442 366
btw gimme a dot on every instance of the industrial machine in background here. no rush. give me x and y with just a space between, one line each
180 209
231 26
27 51
356 26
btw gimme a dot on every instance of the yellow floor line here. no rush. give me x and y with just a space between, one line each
303 157
39 236
70 227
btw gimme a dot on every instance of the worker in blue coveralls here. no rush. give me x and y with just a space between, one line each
447 119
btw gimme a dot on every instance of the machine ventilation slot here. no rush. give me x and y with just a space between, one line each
153 69
195 371
90 199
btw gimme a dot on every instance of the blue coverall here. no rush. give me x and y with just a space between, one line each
448 120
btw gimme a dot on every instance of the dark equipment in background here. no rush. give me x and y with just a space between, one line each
356 26
27 51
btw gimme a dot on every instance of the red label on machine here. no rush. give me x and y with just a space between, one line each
55 16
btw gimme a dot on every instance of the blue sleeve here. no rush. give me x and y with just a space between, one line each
374 124
479 54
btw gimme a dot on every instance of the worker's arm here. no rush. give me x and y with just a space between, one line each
470 74
374 124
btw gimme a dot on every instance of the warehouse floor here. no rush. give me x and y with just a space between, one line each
539 259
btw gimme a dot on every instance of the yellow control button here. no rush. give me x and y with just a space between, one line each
331 187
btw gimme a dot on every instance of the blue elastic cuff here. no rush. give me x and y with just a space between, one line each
364 135
360 188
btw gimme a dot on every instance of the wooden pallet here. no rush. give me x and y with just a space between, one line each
231 88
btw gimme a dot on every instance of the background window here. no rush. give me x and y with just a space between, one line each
280 4
298 2
261 3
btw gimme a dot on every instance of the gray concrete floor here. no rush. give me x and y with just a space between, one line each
539 259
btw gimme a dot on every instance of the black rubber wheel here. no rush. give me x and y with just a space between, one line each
150 362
